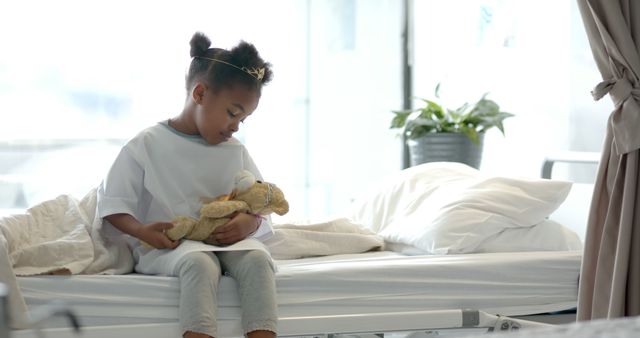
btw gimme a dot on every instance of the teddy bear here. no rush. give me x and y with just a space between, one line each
248 195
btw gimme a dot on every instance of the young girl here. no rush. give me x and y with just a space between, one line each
166 169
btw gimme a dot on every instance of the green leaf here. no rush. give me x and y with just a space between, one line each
399 120
485 107
432 117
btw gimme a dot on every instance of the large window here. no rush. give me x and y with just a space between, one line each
532 57
78 78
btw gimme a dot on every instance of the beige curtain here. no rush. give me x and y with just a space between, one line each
610 274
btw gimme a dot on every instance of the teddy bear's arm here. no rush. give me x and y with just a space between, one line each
182 226
223 208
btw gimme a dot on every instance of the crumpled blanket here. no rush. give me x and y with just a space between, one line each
65 236
332 237
58 236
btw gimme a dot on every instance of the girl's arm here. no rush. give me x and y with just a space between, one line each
152 233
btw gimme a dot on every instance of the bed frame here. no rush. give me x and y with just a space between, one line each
399 323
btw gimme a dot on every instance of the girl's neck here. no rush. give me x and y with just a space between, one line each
183 124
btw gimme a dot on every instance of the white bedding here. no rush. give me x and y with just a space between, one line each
498 283
57 236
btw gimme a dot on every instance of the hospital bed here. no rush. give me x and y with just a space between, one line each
369 292
400 290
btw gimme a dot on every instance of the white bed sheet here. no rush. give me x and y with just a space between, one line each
377 282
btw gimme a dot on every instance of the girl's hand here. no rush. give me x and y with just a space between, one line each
154 235
238 228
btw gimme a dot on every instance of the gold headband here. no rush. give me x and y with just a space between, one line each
257 73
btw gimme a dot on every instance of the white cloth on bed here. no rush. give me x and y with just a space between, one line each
62 235
334 236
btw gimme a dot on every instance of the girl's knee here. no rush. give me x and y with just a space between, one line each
198 262
256 256
251 262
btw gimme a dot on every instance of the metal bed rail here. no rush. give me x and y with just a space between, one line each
410 322
584 157
397 324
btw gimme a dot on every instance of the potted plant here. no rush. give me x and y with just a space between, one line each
435 133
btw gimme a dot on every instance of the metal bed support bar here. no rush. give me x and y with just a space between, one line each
568 157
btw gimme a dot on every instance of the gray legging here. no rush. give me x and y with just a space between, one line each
199 274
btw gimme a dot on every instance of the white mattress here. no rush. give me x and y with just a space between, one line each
378 282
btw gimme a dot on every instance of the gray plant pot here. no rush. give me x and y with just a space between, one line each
446 147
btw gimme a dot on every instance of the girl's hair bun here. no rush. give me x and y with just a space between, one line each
200 43
246 51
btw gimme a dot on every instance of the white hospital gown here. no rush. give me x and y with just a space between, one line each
162 173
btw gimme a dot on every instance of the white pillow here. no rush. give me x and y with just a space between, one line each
389 199
446 207
548 235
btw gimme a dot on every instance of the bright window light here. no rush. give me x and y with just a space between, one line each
78 78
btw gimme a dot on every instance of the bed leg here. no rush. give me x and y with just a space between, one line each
4 311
